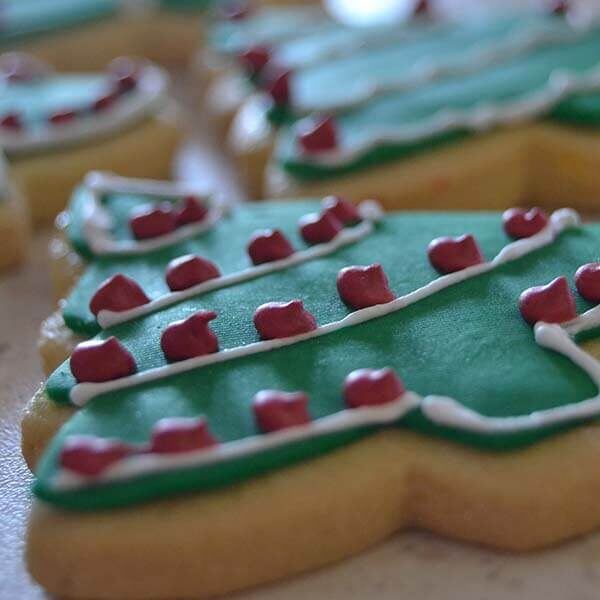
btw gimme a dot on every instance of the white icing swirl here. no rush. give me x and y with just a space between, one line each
81 393
97 222
149 95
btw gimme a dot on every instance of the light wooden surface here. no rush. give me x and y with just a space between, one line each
415 566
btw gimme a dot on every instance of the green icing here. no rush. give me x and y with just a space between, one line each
36 100
499 84
22 18
472 329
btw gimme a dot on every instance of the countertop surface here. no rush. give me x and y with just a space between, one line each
411 565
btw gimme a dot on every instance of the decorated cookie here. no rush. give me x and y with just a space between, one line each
463 105
54 127
14 221
266 404
86 34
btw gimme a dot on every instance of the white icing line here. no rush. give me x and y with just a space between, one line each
519 40
107 318
81 393
450 413
143 464
144 100
97 222
561 84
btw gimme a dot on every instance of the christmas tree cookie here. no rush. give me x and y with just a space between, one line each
270 375
14 221
479 113
55 127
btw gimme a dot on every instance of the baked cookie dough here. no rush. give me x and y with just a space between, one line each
432 370
54 127
14 221
508 105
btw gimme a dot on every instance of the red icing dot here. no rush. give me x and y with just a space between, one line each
235 11
319 228
117 293
360 287
177 434
268 245
191 210
422 7
448 254
523 223
90 456
103 103
345 212
62 117
370 387
124 72
189 270
552 303
283 319
12 122
153 222
190 337
275 410
559 7
278 86
255 59
317 134
587 281
101 360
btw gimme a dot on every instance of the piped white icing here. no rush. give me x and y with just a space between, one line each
369 212
561 84
141 464
521 39
149 95
97 222
81 393
441 410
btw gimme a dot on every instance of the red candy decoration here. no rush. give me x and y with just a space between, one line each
371 387
317 134
255 59
179 434
345 212
278 86
319 228
153 222
522 223
95 361
587 281
11 121
235 11
90 456
117 293
124 72
360 287
268 245
62 117
559 7
192 210
448 254
103 103
552 303
283 319
190 337
275 410
189 270
422 7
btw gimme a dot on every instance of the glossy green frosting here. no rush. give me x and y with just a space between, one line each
468 342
